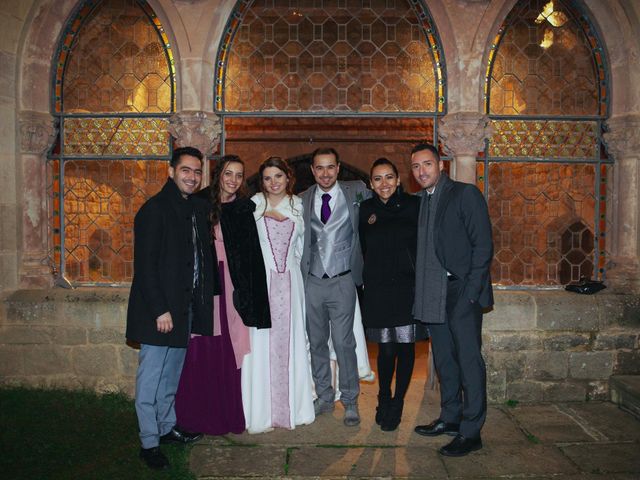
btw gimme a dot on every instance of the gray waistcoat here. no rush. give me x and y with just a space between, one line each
331 243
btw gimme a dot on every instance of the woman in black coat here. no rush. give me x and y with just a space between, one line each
209 396
388 233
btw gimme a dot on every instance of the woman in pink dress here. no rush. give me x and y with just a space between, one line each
209 398
277 387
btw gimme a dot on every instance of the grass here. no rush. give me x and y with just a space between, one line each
60 434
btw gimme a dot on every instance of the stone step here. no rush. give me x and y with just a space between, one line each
625 392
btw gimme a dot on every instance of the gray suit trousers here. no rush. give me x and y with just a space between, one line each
330 306
458 359
157 380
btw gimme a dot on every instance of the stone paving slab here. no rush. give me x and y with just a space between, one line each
410 462
563 441
604 420
606 458
511 460
226 461
550 424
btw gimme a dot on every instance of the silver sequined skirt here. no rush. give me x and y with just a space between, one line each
403 334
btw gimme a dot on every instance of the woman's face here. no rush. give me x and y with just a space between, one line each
231 178
384 181
274 181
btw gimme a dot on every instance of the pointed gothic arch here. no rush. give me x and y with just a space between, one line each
547 95
114 88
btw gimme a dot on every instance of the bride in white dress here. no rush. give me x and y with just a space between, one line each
277 387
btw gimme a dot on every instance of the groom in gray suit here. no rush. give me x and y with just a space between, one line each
331 268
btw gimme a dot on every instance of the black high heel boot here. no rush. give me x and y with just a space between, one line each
394 414
382 408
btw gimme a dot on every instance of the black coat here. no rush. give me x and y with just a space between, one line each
163 269
246 265
463 242
388 234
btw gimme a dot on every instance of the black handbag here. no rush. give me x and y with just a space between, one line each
586 286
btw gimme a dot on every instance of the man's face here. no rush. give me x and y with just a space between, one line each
426 168
325 170
187 174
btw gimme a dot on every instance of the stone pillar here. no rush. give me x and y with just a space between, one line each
463 135
623 242
202 130
36 134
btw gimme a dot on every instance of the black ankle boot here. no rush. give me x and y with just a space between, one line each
382 408
394 414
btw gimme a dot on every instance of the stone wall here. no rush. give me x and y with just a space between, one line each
539 345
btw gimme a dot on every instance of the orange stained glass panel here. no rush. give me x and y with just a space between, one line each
116 136
101 199
330 56
544 64
117 62
543 222
544 139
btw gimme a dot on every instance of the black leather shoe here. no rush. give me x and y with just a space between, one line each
177 435
461 446
438 427
154 458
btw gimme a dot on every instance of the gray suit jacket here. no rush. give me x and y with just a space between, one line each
354 192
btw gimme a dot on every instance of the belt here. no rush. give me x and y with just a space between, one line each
341 274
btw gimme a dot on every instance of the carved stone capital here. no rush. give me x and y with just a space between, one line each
623 136
37 132
201 130
464 133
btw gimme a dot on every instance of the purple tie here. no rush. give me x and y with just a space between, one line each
325 210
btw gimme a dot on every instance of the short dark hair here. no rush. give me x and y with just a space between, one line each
179 152
384 161
325 151
426 146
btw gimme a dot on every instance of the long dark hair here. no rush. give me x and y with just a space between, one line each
282 165
214 189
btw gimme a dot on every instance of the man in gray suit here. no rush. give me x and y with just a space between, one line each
331 268
453 285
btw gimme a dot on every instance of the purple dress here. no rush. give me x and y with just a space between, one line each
209 399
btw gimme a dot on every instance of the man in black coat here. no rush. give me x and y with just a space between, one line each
171 297
453 286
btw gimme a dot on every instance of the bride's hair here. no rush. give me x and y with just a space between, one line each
283 166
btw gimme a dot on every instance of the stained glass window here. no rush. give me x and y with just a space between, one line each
545 170
114 91
330 55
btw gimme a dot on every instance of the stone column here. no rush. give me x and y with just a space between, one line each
463 135
36 134
198 129
623 210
